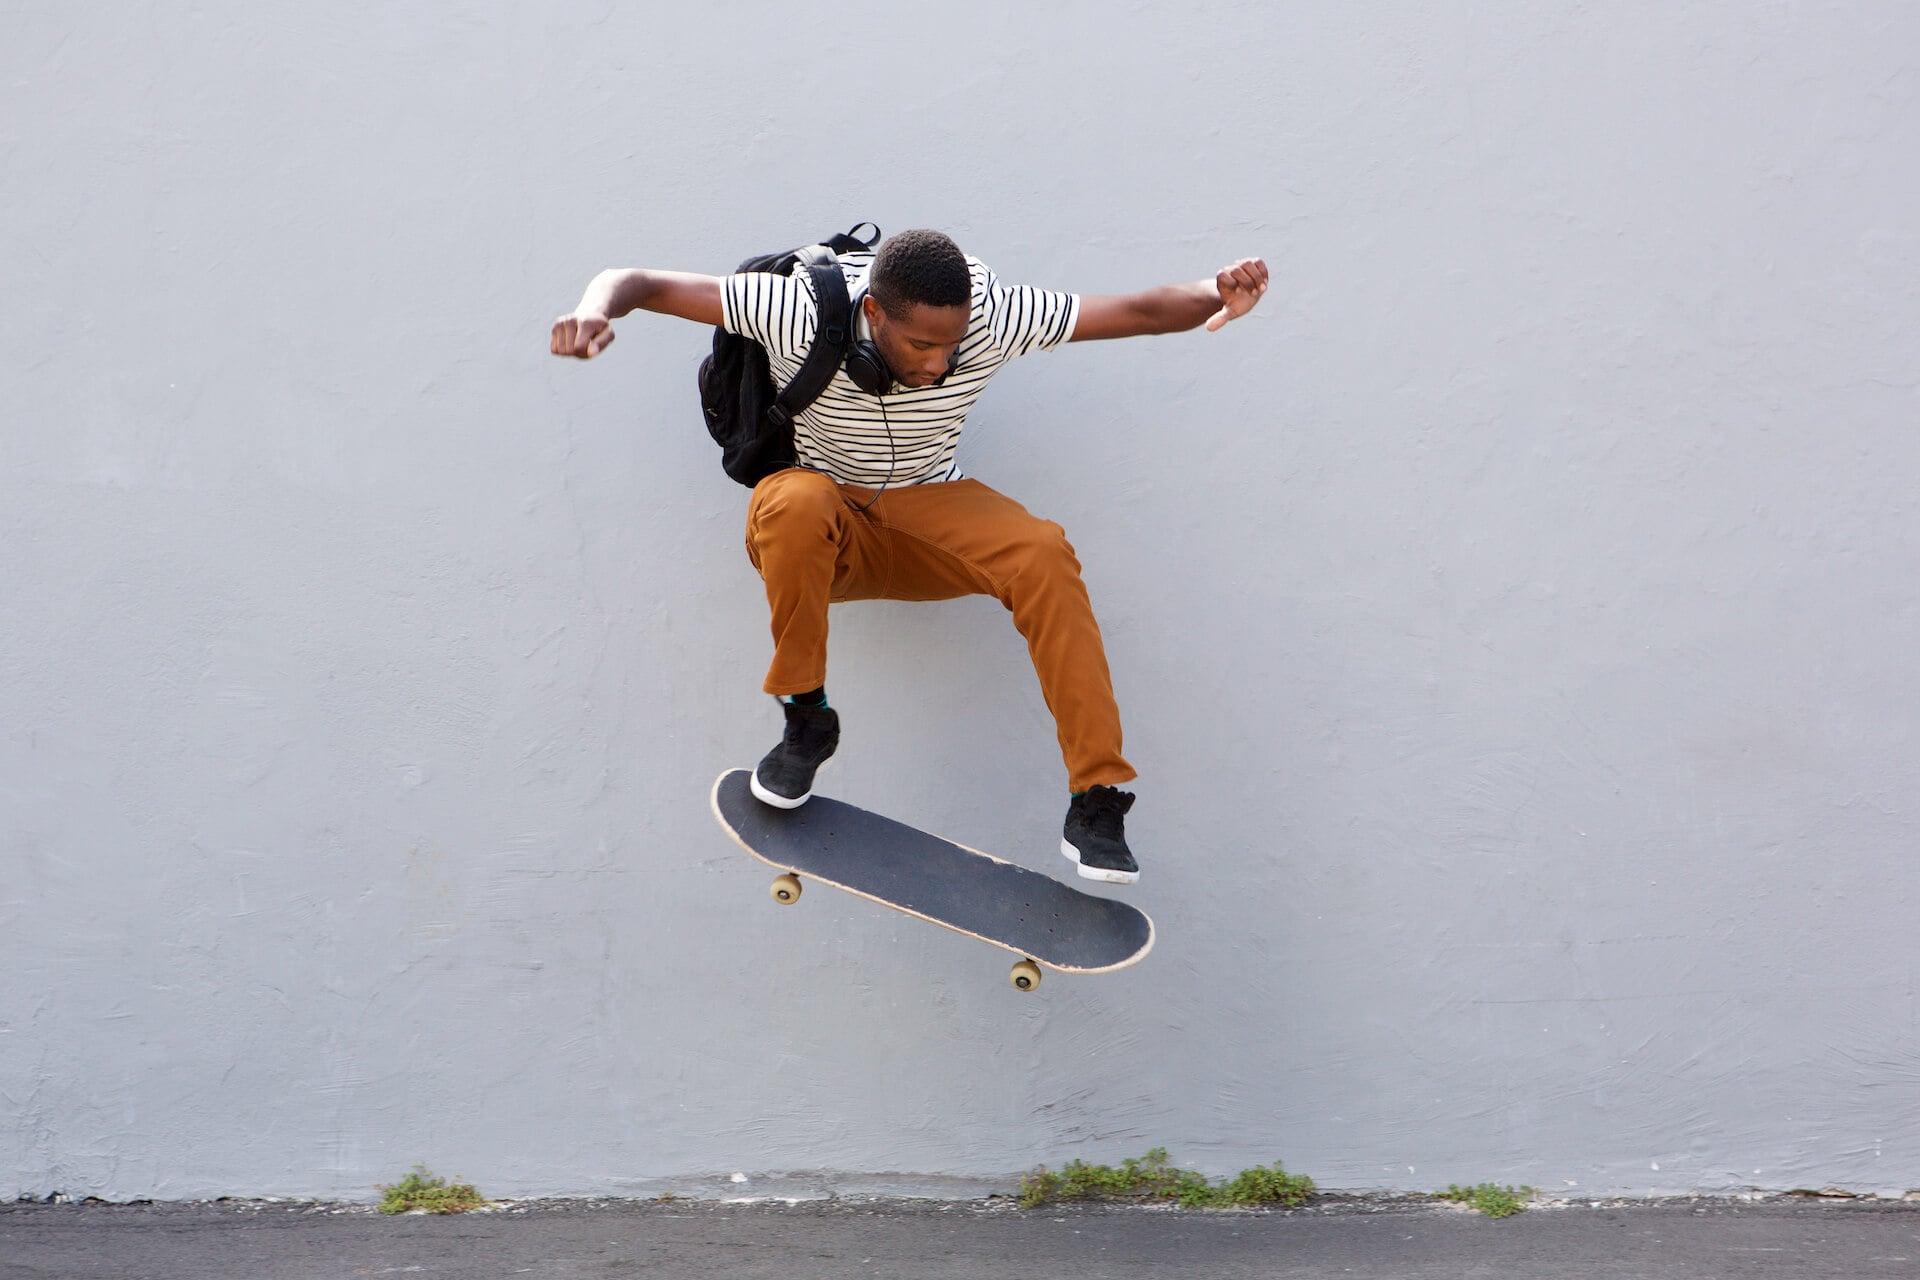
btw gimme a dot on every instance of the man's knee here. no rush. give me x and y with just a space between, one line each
789 503
1042 556
794 494
1050 547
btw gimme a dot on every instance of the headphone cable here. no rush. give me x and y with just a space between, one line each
893 456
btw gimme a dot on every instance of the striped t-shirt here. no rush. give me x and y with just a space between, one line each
844 433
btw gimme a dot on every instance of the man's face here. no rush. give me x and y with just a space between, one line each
918 345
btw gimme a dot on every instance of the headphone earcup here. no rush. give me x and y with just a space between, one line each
867 368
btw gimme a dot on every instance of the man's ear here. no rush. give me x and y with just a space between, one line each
870 309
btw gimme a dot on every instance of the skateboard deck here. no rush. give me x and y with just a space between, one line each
873 857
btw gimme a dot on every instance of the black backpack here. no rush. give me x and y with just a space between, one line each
747 418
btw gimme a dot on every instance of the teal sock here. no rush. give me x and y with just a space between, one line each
814 698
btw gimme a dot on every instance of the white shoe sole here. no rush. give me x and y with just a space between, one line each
778 801
1096 873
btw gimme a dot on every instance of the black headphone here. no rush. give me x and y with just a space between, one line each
867 369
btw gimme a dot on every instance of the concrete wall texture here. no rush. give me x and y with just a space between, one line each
1515 617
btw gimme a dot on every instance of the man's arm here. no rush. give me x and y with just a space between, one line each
1173 308
586 332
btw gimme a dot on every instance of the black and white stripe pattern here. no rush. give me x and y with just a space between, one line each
844 433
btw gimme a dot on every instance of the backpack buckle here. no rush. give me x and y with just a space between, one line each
836 335
778 416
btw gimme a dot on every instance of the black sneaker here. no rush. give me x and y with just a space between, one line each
1096 837
785 776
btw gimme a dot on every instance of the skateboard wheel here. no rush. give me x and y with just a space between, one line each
1026 975
786 890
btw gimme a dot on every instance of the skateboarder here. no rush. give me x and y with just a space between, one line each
877 508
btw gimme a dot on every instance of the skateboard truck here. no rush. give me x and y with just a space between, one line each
786 892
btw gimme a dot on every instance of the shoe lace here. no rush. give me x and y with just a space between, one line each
1104 811
807 728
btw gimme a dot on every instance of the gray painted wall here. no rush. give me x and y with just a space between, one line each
1515 617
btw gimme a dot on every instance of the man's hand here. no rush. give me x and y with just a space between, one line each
1174 308
583 334
587 330
1241 286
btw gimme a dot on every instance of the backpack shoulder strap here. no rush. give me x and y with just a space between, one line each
851 241
833 332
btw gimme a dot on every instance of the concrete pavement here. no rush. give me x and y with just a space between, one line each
1352 1238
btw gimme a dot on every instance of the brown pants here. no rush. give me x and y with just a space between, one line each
938 541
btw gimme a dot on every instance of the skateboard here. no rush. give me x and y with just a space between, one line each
1036 917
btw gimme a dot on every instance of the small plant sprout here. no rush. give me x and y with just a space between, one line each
423 1191
1495 1202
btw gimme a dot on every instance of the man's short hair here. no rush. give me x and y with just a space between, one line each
920 267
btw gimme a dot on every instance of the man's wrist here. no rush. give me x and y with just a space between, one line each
612 294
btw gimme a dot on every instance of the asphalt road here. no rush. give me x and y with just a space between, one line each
974 1240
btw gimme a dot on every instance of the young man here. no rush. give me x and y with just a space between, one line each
877 508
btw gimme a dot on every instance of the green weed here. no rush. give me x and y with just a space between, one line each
426 1192
1495 1202
1151 1177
